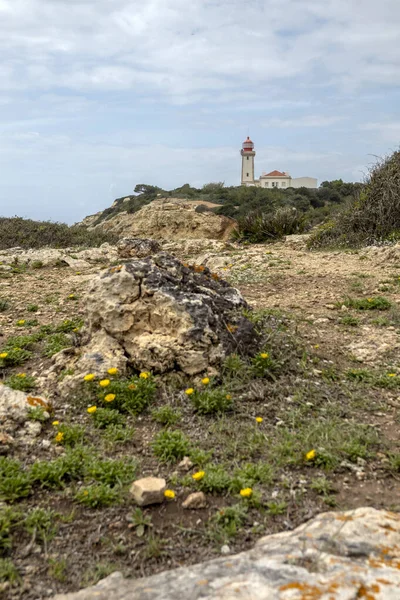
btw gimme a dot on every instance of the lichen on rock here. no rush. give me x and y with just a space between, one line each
161 315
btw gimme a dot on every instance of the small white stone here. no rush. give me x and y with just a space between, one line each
195 501
225 549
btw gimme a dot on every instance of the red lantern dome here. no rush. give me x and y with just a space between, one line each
248 145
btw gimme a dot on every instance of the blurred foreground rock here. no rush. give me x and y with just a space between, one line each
336 556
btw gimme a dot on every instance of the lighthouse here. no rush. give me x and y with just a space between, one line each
248 154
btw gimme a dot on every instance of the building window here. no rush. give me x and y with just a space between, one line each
283 184
247 174
247 157
273 184
266 184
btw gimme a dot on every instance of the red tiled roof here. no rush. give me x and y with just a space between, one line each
275 174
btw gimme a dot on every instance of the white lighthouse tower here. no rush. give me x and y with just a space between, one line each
248 154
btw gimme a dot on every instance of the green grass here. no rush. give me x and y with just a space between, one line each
372 303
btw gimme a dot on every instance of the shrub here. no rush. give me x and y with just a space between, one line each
170 446
9 517
21 382
98 495
13 357
111 472
55 343
14 482
258 227
372 215
216 480
131 395
41 522
71 434
211 401
8 571
230 519
26 233
166 415
104 417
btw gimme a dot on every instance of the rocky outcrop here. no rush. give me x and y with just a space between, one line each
336 556
137 247
170 219
161 315
78 258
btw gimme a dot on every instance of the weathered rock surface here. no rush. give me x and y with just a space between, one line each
137 247
14 424
170 219
162 316
195 501
50 257
149 490
336 556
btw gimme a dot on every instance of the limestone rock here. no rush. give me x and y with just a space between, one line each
185 464
149 490
161 316
336 555
170 219
14 408
195 501
137 247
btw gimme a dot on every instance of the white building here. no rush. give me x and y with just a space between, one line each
274 179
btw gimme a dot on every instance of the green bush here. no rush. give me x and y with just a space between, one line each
112 472
372 215
104 417
13 357
166 415
131 395
211 401
170 446
374 303
21 382
26 233
259 227
4 304
14 482
98 495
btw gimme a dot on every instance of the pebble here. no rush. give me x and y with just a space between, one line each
225 549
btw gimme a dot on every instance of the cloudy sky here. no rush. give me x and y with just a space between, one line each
99 95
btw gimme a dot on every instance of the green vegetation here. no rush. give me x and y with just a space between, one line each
170 446
26 233
371 216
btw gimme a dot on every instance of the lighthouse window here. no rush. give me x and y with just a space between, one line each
247 157
247 174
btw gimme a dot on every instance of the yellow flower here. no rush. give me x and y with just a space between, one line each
199 475
391 374
109 397
205 381
22 375
264 355
144 375
112 371
75 329
228 397
4 355
78 273
170 494
89 377
369 299
316 346
104 382
246 492
59 437
259 419
55 423
189 391
132 386
85 493
72 296
310 455
21 322
92 409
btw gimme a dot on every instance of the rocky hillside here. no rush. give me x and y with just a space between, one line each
168 404
170 219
